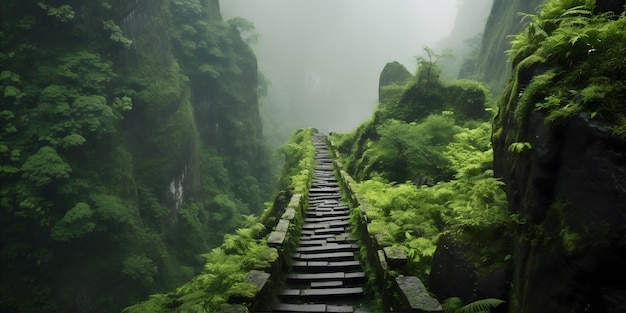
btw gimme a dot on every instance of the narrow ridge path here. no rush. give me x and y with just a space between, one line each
325 277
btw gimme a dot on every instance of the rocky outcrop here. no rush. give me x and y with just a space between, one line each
569 190
502 22
566 191
456 274
393 75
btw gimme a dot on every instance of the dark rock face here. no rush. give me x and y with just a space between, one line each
615 6
567 192
502 22
454 275
570 188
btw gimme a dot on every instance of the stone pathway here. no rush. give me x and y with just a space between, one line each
326 277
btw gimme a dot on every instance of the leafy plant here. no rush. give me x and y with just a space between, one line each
519 147
480 306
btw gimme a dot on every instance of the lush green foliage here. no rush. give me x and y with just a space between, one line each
225 269
223 276
415 216
128 146
406 137
423 163
582 54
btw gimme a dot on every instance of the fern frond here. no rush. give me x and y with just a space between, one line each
580 10
483 305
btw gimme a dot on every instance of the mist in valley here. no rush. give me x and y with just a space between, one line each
323 58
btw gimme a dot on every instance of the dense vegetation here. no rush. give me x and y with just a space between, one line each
130 142
423 166
224 276
570 60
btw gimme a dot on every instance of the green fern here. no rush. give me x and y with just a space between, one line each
480 306
519 147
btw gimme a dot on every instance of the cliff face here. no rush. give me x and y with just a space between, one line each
559 146
130 141
502 22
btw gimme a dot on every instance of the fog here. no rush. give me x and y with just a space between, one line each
324 57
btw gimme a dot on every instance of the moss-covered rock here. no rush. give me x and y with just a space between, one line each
393 78
564 104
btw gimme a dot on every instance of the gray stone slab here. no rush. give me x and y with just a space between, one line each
315 225
258 278
339 308
334 230
283 226
295 200
396 257
317 276
343 263
324 256
326 219
325 236
312 308
308 243
416 295
326 284
329 292
354 275
289 214
317 263
329 248
276 238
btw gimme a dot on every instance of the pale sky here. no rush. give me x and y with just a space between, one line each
326 55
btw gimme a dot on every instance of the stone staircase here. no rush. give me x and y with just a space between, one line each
325 276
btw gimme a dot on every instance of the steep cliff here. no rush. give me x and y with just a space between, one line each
559 146
503 21
130 141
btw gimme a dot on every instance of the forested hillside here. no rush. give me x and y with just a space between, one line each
130 142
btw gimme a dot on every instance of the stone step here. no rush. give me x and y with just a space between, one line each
327 284
326 214
315 225
314 190
326 266
330 256
310 243
329 237
333 247
326 219
330 224
333 230
344 276
288 307
326 183
319 294
317 198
